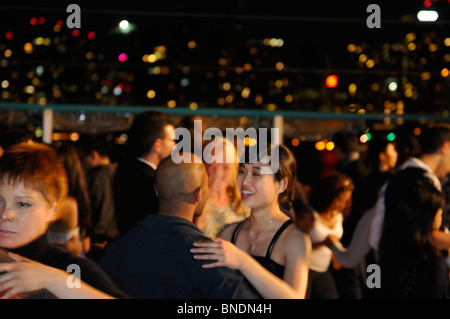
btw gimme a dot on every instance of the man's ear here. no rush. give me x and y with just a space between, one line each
198 195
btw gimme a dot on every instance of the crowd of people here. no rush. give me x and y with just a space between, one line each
229 226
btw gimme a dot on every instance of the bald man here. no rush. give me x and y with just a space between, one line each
154 261
182 188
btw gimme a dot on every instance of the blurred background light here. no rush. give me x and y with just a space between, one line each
392 86
427 16
124 25
391 137
331 81
122 57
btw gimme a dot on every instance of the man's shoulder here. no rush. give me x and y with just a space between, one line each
170 226
135 172
101 172
130 164
167 235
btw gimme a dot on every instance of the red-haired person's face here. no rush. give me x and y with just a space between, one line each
24 215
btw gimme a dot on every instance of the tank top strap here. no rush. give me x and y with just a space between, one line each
276 236
236 231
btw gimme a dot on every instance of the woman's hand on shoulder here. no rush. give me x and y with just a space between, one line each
222 251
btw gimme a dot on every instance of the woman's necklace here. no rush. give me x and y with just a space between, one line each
253 239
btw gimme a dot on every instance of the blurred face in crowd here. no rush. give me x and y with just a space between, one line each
444 165
24 215
341 202
222 164
167 143
389 157
224 172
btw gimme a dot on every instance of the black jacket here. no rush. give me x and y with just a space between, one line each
91 273
134 193
154 261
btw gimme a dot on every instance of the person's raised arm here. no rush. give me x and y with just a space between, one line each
359 245
440 240
298 249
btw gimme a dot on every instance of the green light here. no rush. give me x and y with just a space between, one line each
38 132
390 137
369 136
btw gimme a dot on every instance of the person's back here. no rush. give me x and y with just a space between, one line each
100 180
134 197
99 172
149 141
154 261
434 159
411 267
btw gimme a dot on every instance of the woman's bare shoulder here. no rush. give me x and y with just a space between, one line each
295 236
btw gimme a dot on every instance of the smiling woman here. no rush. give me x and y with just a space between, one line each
33 183
268 248
330 199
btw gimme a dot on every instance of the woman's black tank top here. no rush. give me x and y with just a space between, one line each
266 261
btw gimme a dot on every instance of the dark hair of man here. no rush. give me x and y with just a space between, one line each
433 137
347 141
147 127
87 144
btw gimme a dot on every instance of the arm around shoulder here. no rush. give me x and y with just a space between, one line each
25 275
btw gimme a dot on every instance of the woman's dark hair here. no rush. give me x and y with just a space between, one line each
328 188
411 203
146 128
287 168
77 181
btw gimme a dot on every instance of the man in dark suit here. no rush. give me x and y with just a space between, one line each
149 141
